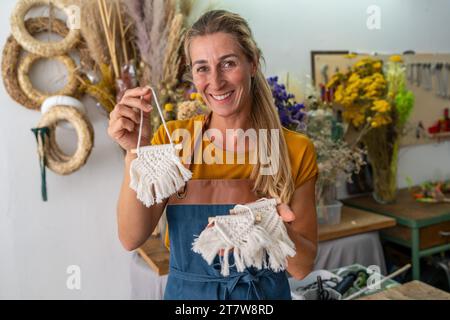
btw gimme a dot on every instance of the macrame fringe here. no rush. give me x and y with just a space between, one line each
156 176
253 251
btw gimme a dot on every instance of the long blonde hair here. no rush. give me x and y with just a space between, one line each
263 114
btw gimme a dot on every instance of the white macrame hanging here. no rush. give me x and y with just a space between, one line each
157 172
254 231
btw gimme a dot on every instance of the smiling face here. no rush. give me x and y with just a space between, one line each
221 73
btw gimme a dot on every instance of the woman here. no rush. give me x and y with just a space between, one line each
225 67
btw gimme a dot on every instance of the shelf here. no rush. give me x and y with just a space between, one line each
439 136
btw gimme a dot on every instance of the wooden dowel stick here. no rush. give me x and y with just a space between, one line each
392 275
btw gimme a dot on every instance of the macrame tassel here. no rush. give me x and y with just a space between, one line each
238 259
157 173
260 245
282 246
278 252
220 236
225 264
252 249
209 244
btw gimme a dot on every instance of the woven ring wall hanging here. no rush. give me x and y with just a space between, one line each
37 96
12 51
31 44
56 160
49 103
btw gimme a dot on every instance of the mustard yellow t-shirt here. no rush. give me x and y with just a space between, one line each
300 148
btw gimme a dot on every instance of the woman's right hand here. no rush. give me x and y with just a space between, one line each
125 118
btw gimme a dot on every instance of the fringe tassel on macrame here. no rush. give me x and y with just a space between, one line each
157 173
260 245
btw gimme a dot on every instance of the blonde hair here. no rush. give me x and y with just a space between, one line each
263 114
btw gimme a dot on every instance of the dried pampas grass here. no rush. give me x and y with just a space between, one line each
172 60
152 20
91 28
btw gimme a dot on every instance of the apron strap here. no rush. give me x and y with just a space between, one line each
230 281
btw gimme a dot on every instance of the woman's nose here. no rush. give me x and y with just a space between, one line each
217 80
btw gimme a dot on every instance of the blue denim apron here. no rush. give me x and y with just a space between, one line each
190 276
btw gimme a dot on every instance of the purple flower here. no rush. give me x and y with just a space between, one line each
290 112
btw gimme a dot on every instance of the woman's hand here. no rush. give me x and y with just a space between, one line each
285 212
125 118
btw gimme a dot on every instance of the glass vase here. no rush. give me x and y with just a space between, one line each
383 157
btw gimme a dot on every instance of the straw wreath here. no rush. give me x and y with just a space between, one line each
56 159
12 51
70 89
31 44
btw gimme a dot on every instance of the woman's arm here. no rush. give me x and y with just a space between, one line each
303 230
135 221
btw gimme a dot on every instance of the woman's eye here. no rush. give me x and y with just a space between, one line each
201 69
229 64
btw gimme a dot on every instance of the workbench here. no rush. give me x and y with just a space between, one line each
424 228
354 221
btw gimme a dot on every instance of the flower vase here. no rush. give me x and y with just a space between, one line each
328 208
383 156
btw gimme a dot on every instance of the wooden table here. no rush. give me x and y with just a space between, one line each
155 253
422 227
414 290
354 221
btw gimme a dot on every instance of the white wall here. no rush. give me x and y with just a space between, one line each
77 225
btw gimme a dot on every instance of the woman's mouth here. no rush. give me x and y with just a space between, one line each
222 98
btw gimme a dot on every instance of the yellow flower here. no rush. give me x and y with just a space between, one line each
338 93
168 107
193 95
396 58
350 55
354 78
334 80
381 106
363 62
380 120
358 119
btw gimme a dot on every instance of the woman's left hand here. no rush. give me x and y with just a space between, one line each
285 212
